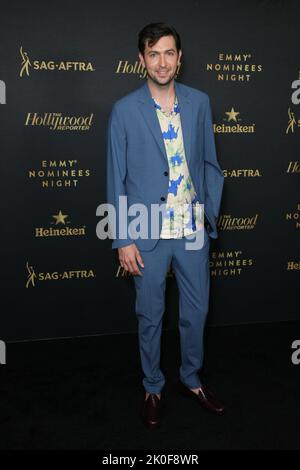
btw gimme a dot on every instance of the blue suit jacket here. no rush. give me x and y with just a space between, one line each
137 164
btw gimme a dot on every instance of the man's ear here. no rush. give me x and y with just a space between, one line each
179 56
141 58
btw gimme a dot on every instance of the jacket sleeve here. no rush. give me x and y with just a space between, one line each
116 169
213 175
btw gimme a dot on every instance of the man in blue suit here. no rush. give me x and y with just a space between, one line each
161 152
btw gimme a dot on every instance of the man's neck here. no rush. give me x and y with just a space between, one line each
162 94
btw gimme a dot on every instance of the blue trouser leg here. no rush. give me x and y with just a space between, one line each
191 269
150 307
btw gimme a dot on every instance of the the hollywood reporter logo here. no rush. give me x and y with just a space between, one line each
296 354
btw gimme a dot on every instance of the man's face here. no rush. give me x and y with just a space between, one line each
161 60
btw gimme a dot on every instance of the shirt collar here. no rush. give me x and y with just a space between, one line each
175 108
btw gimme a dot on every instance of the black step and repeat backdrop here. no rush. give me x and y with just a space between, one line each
63 64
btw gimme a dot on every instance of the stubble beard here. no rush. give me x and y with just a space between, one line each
157 82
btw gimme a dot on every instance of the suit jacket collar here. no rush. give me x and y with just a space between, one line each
186 116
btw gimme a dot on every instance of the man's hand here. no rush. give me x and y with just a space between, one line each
128 257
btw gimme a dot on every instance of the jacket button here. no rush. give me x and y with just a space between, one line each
166 173
162 198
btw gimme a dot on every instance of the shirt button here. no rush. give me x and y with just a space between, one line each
162 198
166 173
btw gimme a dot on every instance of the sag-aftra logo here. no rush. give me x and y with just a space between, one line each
49 65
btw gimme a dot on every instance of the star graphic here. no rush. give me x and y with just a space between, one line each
232 115
60 218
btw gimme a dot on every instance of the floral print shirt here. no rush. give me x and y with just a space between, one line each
184 213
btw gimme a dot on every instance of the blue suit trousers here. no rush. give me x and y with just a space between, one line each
191 269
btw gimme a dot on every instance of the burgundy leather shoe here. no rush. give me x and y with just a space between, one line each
204 397
151 411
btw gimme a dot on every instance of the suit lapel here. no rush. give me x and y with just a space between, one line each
186 117
149 113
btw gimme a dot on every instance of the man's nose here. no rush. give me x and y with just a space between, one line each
162 60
